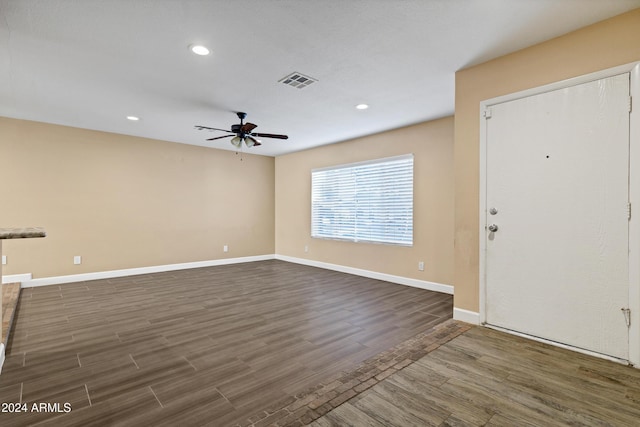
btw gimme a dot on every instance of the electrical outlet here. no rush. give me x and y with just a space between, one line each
225 248
77 260
306 248
421 266
4 260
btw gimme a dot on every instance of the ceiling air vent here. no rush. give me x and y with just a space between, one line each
298 80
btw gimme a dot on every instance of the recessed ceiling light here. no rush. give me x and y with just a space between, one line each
199 49
133 118
362 106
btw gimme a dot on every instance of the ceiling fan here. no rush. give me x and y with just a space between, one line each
242 132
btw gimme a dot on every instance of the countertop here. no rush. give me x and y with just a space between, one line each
22 232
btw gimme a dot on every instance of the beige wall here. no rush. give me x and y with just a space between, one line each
432 146
603 45
123 202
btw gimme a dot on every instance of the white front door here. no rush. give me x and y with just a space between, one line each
557 188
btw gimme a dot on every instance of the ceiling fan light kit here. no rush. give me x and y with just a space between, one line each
242 132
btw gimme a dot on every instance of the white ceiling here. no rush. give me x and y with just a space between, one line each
91 63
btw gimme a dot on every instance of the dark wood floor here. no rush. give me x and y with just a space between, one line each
212 345
485 377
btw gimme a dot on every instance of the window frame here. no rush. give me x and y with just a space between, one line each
373 233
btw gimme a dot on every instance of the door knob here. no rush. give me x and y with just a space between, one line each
493 228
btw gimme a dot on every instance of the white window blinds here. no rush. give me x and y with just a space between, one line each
369 201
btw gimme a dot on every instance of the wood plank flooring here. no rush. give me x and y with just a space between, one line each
485 377
208 346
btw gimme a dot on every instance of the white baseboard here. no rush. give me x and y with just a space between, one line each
466 316
57 280
422 284
27 281
16 278
1 356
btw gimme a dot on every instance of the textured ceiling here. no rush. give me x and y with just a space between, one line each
91 63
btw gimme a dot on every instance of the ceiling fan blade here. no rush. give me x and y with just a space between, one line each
248 127
255 141
208 128
219 137
270 135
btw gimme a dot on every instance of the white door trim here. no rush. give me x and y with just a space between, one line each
634 190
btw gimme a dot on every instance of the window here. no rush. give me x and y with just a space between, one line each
364 202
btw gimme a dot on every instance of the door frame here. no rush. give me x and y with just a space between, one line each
634 196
